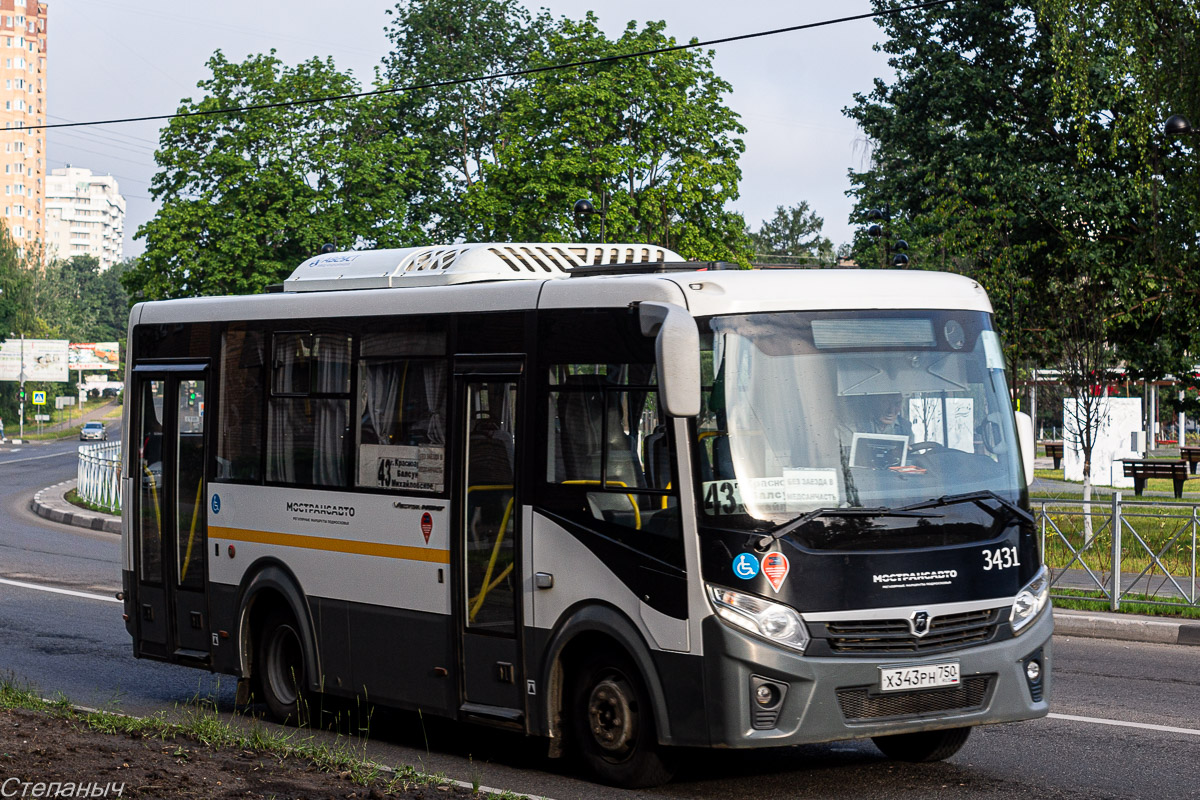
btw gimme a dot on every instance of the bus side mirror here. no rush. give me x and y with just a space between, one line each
678 351
1028 445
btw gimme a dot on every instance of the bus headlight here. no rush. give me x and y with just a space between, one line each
775 622
1031 601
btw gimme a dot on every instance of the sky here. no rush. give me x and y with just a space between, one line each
111 59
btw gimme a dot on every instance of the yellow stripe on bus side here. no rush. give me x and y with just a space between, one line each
332 545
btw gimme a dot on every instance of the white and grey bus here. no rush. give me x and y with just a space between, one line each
592 493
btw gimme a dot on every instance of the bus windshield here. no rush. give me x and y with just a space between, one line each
851 409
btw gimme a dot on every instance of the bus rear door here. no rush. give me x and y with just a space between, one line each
169 521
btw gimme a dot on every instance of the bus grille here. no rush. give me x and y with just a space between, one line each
884 636
859 705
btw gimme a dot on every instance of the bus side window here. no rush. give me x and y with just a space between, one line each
243 369
609 452
402 399
309 411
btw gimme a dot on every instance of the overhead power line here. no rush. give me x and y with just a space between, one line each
495 75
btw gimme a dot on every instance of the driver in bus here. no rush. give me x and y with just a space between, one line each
885 416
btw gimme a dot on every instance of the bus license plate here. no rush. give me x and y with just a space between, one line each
926 676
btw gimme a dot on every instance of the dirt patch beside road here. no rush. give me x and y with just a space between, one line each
64 754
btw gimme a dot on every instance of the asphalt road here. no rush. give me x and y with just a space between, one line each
75 644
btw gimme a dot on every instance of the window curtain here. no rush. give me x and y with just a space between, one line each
333 377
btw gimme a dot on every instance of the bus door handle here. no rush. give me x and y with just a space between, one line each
543 580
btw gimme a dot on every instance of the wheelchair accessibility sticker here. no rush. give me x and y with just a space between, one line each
745 566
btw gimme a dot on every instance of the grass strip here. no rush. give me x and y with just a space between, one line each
200 722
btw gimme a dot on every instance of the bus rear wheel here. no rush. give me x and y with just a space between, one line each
282 673
613 724
923 746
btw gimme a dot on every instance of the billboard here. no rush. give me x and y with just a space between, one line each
44 359
93 355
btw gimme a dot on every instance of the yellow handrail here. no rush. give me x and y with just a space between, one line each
154 494
488 583
187 558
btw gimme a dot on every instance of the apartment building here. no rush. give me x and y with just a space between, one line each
23 104
85 216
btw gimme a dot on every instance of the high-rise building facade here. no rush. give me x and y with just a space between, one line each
23 104
85 216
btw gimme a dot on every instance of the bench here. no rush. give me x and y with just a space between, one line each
1191 455
1140 470
1055 450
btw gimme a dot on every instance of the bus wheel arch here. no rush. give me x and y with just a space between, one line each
273 606
605 698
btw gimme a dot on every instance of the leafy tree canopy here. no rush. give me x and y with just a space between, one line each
246 197
458 126
648 140
983 172
792 236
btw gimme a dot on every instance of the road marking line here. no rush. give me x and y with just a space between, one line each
1121 724
70 592
38 458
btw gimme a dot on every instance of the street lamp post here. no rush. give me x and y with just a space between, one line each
879 219
21 407
584 208
1178 125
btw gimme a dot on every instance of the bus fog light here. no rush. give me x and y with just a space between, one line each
774 622
766 695
1033 671
1031 601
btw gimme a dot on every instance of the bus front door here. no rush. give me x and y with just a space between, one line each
170 530
489 542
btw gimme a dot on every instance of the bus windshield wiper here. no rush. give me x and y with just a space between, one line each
853 511
978 498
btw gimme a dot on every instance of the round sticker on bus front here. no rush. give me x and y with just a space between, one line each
216 503
745 566
426 525
775 567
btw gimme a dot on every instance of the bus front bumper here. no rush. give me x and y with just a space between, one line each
827 699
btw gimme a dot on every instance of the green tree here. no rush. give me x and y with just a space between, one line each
649 140
458 126
247 196
93 306
793 236
981 175
24 307
1119 70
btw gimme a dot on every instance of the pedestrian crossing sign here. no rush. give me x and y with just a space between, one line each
39 398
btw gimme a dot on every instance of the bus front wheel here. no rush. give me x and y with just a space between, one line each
282 672
613 724
923 745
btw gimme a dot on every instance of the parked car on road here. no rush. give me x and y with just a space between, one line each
93 430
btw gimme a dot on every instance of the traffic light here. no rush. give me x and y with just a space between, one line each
22 395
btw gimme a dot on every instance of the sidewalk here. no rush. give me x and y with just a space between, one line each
50 503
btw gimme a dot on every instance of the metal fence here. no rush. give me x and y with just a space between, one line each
99 475
1120 552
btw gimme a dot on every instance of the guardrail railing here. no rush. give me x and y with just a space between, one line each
99 475
1120 551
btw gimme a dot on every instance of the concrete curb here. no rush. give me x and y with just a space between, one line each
1126 628
49 504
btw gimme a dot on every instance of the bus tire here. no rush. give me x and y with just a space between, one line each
282 671
923 746
612 723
